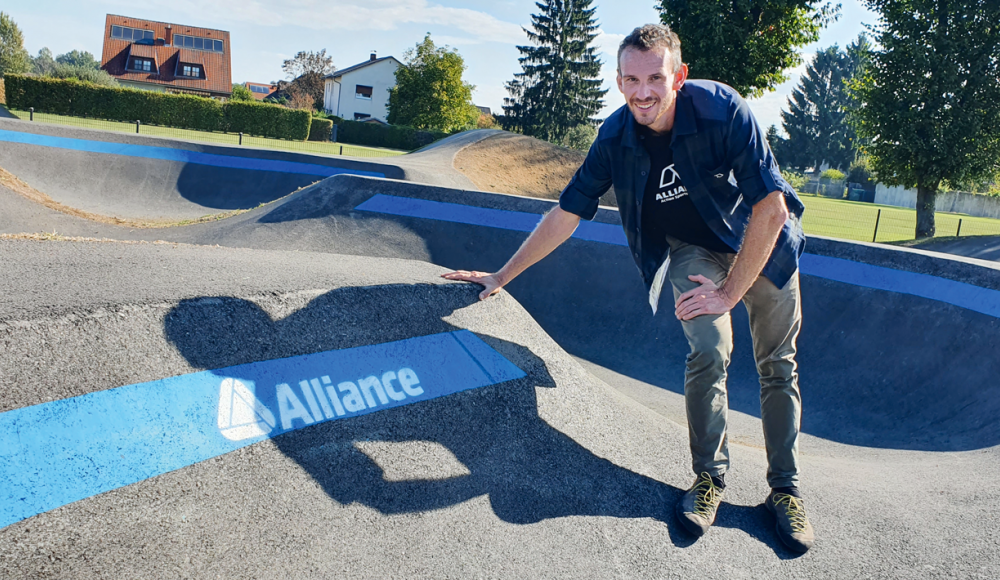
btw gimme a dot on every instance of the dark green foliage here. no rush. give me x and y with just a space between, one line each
931 95
320 129
388 136
747 44
266 120
559 87
80 99
77 58
816 120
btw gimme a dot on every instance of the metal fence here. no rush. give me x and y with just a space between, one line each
240 139
871 223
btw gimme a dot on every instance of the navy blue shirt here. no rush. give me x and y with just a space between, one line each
720 154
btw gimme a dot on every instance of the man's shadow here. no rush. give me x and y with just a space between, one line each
529 470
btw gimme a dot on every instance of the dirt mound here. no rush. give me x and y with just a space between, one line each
511 163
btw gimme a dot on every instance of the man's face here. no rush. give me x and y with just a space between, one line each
650 86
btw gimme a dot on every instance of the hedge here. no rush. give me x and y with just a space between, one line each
266 120
320 129
80 99
390 136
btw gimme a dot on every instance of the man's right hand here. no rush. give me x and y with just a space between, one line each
490 281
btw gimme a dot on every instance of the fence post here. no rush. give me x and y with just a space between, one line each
959 232
341 149
241 137
137 123
31 113
878 217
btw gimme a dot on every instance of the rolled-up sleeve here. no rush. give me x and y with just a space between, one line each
754 166
589 183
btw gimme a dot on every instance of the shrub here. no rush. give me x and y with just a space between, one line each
795 179
266 120
241 93
82 99
389 136
860 172
580 137
320 129
832 175
82 73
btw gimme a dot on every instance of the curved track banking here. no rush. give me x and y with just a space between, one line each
556 474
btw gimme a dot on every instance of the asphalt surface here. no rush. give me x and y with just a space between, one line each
571 472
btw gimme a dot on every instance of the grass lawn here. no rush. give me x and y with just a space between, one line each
854 220
321 147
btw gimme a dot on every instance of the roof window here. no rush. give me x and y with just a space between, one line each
197 43
132 34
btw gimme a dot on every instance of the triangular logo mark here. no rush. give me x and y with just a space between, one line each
241 415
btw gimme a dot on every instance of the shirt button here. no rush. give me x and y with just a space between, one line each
644 173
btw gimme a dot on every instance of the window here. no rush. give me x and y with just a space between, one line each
363 92
260 89
191 70
361 116
142 65
131 34
197 42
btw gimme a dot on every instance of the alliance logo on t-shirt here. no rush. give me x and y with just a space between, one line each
671 182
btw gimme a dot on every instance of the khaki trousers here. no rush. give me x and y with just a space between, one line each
775 320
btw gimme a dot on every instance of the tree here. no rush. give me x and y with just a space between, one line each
931 96
241 93
558 87
430 92
77 58
308 62
747 44
14 59
43 63
816 120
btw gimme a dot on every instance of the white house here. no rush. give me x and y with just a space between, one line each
361 91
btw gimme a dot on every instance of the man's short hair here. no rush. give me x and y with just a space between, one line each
653 36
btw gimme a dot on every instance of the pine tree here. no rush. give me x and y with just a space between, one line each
558 87
816 120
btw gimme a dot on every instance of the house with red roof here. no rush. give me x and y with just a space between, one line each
167 57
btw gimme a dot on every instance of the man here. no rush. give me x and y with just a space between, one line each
703 205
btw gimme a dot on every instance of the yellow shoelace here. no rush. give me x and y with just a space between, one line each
708 497
794 509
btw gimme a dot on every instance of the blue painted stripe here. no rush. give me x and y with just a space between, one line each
64 451
975 298
180 155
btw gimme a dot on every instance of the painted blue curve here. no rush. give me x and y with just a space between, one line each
180 155
968 296
56 453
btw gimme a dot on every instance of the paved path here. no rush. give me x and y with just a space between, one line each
569 472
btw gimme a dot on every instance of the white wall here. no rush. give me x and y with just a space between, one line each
339 97
953 201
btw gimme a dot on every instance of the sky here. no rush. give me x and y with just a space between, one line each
485 32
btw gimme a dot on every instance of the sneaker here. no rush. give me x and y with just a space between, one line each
696 510
793 526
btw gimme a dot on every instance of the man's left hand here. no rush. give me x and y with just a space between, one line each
705 299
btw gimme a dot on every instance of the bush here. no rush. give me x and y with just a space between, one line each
832 175
795 179
580 137
82 73
81 99
241 93
860 172
389 136
320 129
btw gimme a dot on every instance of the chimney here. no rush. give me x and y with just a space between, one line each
373 56
168 37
